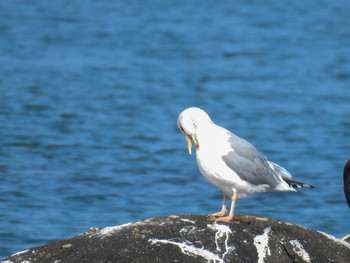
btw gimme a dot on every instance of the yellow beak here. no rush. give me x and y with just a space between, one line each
189 143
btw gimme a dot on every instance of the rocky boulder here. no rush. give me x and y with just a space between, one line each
193 238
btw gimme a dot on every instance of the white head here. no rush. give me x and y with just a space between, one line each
189 121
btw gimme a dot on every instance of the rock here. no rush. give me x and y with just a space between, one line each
193 238
347 238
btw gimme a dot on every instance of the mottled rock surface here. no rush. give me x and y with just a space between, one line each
193 238
347 238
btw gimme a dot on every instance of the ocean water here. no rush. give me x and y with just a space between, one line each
90 93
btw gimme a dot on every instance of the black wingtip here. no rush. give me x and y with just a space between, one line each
296 184
300 185
308 185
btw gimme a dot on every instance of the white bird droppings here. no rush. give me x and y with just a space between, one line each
299 249
222 231
187 220
261 244
222 234
191 250
21 252
111 230
340 241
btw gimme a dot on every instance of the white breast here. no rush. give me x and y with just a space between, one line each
214 169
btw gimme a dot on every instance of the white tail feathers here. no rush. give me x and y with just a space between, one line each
287 177
279 170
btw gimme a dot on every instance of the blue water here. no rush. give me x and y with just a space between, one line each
90 92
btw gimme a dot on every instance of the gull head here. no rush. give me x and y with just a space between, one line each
190 122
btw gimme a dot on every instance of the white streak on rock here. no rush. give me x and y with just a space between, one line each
188 230
191 250
222 231
21 252
340 241
187 220
346 237
299 249
261 244
110 230
16 254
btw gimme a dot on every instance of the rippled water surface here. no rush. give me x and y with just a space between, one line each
90 93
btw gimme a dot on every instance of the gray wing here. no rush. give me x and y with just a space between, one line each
249 163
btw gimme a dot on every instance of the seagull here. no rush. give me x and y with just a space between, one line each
231 163
346 177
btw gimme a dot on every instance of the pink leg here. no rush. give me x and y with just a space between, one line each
223 209
230 216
